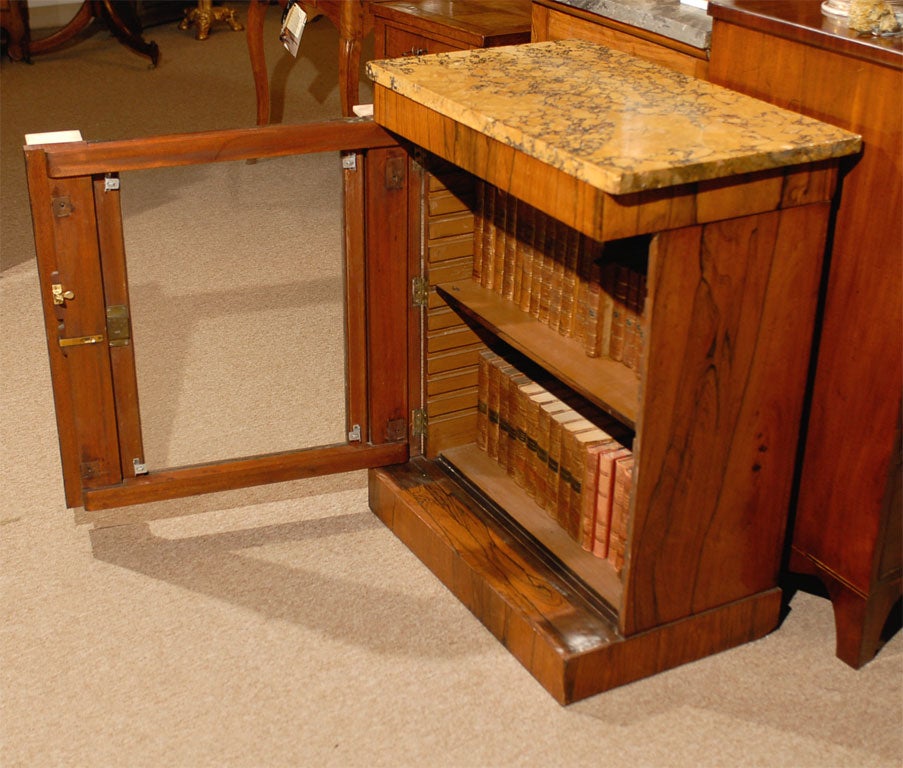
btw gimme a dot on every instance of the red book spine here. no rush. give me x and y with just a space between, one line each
620 510
604 496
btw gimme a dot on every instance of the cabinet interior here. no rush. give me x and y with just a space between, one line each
522 303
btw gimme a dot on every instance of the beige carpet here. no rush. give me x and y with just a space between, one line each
284 626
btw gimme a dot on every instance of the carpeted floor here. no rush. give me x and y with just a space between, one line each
284 625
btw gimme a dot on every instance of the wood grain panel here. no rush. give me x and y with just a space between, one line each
67 251
848 516
721 410
202 147
387 293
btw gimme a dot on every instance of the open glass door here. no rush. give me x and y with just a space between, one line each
75 189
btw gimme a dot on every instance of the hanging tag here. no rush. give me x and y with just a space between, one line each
292 27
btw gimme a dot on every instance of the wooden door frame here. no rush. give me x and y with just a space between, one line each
79 245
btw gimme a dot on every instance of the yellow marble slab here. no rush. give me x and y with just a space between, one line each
614 121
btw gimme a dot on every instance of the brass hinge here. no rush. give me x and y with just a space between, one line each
418 423
420 291
119 331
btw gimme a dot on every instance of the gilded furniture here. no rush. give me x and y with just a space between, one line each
204 15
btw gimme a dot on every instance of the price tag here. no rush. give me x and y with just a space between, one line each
293 22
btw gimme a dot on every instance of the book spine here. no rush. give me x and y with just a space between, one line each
631 333
512 274
620 510
608 273
604 495
487 251
548 271
569 481
550 485
507 373
500 232
619 314
492 400
541 462
586 497
559 262
483 373
557 438
531 460
478 223
523 400
570 284
526 228
540 224
590 301
641 325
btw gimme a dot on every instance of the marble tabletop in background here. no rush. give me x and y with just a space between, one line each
669 18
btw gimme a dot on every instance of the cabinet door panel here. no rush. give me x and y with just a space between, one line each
82 267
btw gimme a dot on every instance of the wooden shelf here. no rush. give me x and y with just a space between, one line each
609 384
497 485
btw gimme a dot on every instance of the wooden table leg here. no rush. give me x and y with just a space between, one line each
119 17
256 12
351 25
15 22
353 20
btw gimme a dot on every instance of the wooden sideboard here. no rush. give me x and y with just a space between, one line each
848 511
556 21
434 26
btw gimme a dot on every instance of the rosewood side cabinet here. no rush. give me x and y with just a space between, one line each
721 216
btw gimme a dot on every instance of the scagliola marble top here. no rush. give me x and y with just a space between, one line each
614 121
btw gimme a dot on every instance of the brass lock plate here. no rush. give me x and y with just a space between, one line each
119 330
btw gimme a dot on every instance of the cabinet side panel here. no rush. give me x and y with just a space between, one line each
731 330
860 355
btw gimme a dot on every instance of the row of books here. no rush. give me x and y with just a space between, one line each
579 470
584 289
